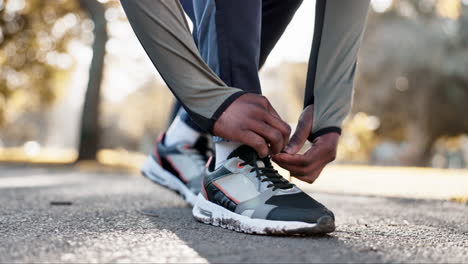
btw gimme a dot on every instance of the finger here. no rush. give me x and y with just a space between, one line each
303 128
295 171
298 139
272 110
308 174
317 153
271 134
311 177
292 160
256 142
273 118
280 125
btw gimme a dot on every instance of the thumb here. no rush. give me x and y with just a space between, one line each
302 132
298 139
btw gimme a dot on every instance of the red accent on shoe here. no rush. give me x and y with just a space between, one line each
225 193
208 162
204 192
160 137
239 165
155 151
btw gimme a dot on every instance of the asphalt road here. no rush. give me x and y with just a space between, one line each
105 223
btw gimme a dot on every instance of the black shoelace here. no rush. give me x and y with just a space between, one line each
269 174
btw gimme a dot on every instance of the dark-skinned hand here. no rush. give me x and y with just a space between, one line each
251 120
308 166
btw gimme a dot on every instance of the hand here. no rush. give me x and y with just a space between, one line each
307 167
251 120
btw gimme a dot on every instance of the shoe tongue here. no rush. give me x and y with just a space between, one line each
201 144
247 154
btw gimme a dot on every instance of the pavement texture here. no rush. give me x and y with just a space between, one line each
122 217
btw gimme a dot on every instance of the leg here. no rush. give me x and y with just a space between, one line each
234 52
231 40
228 38
238 28
276 15
178 110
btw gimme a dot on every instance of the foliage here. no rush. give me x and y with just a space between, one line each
34 35
412 74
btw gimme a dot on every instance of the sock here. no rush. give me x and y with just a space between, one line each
223 149
179 132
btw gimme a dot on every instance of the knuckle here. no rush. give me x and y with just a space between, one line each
277 137
263 100
257 113
258 144
246 125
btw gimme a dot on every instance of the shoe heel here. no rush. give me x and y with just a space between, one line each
152 170
200 212
157 174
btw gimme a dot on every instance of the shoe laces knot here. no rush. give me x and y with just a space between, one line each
267 173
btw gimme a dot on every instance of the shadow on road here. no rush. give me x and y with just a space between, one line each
220 245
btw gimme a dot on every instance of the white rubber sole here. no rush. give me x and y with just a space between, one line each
153 171
213 214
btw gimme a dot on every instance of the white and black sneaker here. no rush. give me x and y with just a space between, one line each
247 195
178 167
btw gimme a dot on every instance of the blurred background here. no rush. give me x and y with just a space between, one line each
75 84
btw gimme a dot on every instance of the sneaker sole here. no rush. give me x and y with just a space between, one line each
157 174
213 214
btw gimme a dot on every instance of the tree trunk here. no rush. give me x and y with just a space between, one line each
90 130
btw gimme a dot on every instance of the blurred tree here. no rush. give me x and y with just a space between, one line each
90 130
413 73
33 59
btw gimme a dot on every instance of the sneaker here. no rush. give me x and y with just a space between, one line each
178 167
247 195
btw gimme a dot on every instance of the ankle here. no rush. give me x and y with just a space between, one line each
179 132
223 149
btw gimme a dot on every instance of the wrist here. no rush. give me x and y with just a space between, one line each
324 131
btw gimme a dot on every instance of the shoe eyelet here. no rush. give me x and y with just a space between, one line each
239 165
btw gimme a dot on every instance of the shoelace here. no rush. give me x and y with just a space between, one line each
269 173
